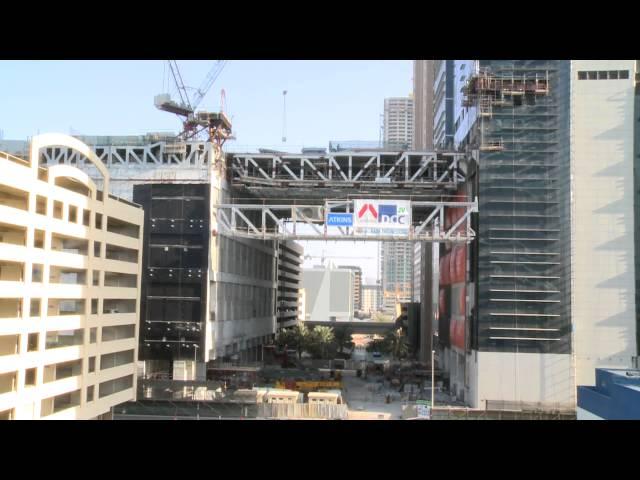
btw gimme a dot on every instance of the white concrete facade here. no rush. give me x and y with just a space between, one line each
544 379
328 294
603 267
70 259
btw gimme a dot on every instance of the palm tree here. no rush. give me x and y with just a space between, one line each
301 335
343 338
396 344
323 336
285 339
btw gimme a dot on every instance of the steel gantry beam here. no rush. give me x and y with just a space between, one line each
412 170
309 222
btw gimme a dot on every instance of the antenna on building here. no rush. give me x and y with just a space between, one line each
284 116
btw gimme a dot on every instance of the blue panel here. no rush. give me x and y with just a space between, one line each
615 396
340 219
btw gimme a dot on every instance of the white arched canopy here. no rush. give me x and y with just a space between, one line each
61 140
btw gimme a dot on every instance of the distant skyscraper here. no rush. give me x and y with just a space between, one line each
396 258
396 272
357 286
398 122
443 93
423 73
371 298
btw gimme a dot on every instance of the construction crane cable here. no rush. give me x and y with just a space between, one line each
208 82
177 78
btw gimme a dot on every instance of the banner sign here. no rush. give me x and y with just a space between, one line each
340 219
382 216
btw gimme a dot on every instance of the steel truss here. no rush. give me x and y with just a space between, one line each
184 154
340 169
308 222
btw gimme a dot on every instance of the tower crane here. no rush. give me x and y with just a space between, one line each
217 125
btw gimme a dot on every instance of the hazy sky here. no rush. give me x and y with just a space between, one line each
326 100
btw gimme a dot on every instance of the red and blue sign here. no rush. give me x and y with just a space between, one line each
390 216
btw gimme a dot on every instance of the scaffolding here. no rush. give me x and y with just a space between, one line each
487 90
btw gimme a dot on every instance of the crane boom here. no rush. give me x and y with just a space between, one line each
216 125
208 81
177 78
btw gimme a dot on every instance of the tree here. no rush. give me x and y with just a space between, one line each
396 344
377 345
301 334
285 339
294 338
343 338
319 340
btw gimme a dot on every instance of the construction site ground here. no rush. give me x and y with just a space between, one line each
366 399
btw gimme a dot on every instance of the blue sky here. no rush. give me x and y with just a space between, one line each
326 100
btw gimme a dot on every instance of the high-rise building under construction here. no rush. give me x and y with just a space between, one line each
549 289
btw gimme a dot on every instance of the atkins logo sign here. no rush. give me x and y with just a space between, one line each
382 216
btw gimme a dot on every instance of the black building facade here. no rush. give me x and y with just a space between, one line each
173 302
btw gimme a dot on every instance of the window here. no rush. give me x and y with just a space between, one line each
38 239
123 228
119 306
592 75
92 364
582 75
41 205
116 359
99 221
118 332
30 377
36 272
623 74
96 249
90 389
122 254
35 307
93 334
57 210
67 275
64 338
86 218
73 214
115 386
613 75
602 75
94 306
64 243
32 342
96 278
